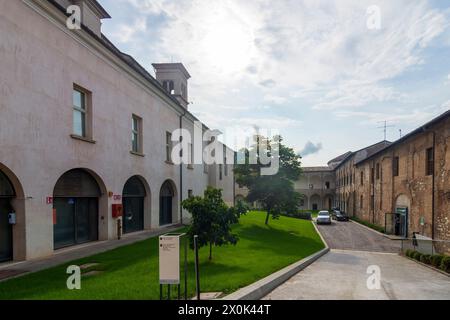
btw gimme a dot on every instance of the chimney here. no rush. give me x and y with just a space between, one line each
174 78
92 13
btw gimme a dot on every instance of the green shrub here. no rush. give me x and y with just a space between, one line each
445 264
436 260
409 253
416 255
425 258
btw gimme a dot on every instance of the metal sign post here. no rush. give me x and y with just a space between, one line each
169 264
197 271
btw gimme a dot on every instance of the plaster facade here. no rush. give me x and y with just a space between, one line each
41 61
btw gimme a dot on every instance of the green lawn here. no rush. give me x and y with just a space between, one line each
131 272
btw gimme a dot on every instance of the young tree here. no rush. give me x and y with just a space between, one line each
275 192
212 219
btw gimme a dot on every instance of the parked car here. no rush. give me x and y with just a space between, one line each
323 218
341 216
334 213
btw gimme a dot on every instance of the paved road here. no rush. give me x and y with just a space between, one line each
342 273
352 236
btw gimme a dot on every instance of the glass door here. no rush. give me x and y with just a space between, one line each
5 231
165 215
64 222
76 221
133 219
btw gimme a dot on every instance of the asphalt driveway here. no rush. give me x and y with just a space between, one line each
342 274
352 236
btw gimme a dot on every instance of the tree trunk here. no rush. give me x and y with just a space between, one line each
210 251
267 217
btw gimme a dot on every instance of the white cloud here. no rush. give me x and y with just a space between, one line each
265 52
274 99
126 32
401 116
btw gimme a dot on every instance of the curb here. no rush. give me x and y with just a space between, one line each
373 230
320 235
263 287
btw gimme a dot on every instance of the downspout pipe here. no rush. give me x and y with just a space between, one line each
181 172
433 187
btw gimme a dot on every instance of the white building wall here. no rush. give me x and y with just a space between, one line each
40 61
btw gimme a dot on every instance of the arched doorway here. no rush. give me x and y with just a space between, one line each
133 205
75 209
7 193
401 216
166 197
328 202
315 202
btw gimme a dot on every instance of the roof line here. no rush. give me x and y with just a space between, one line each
420 129
103 40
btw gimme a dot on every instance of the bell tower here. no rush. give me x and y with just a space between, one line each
174 78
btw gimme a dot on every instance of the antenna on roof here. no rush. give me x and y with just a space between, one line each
384 127
400 133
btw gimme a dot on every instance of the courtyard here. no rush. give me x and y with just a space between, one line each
131 272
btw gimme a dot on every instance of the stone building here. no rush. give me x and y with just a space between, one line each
346 176
85 129
406 186
402 186
317 185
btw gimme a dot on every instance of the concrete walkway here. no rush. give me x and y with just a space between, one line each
342 275
15 269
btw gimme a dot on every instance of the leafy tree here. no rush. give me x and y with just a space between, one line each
212 219
274 192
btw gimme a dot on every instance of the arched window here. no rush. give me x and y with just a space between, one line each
6 187
166 204
75 209
169 86
133 205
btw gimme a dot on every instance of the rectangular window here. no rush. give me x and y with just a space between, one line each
220 171
362 178
190 193
361 202
136 134
430 162
395 166
168 147
378 171
191 156
372 203
79 112
225 160
327 185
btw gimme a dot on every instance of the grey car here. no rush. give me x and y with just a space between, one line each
323 218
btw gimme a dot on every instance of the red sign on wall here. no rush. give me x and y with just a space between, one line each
117 197
49 200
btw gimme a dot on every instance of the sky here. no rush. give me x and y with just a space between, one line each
323 74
